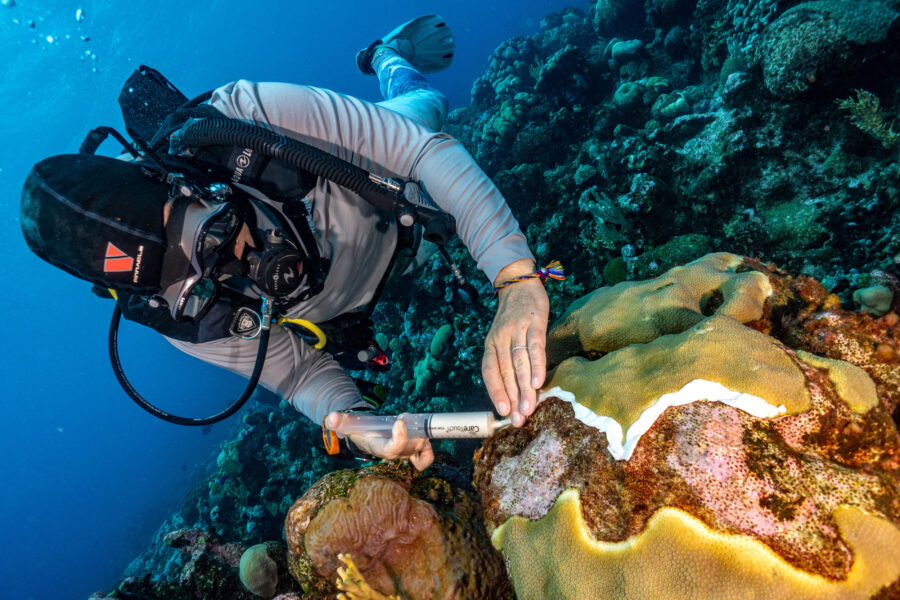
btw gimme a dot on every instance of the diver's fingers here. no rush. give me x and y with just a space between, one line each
490 372
424 457
508 375
394 447
333 420
522 364
537 351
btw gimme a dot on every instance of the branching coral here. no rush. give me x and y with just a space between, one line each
535 68
865 112
353 584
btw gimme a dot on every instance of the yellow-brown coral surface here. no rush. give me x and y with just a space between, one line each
637 312
678 557
712 501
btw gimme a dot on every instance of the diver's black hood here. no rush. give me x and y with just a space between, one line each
98 218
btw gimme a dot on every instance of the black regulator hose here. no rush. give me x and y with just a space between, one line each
158 412
440 226
231 132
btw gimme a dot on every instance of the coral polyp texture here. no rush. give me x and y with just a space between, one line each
714 451
637 312
407 535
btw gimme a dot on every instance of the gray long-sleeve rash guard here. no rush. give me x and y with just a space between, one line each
357 239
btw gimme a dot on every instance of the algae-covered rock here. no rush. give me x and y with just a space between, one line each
615 271
408 534
563 73
263 569
706 461
628 96
679 250
795 224
876 299
821 41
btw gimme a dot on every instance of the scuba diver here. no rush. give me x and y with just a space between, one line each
256 225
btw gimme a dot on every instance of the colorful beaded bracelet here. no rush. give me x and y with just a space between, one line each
552 271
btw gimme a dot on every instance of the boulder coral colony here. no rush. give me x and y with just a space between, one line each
736 415
756 470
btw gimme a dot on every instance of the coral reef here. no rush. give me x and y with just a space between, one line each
804 315
410 535
865 113
638 312
629 138
703 457
210 571
263 569
431 365
822 39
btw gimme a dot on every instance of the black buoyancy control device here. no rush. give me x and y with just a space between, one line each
199 152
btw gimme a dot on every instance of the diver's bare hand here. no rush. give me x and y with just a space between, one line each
418 451
515 360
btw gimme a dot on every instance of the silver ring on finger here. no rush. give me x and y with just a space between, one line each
520 347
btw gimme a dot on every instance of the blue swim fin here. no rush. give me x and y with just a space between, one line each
425 42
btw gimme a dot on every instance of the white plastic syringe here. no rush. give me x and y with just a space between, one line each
421 425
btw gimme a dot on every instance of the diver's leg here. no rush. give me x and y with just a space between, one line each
406 91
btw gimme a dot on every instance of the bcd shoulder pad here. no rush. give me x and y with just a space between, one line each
226 318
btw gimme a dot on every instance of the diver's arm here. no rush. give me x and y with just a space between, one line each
383 141
484 221
390 144
310 380
313 383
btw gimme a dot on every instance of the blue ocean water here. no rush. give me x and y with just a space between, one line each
87 477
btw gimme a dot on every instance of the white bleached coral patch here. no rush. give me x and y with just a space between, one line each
698 389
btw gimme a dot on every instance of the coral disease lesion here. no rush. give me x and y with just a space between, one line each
675 423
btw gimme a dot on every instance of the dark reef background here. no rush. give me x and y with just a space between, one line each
87 476
628 136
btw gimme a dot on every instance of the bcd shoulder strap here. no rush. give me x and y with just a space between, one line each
226 318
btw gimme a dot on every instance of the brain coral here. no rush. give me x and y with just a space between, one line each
408 535
258 572
821 41
698 457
